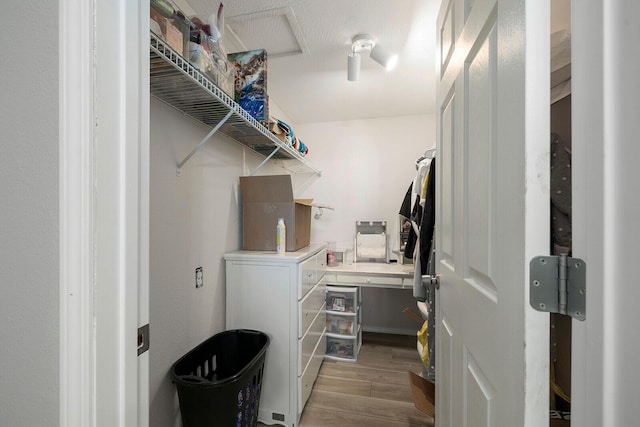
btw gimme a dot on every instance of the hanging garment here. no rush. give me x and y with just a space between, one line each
427 223
406 212
419 180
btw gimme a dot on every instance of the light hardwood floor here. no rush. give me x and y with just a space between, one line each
372 392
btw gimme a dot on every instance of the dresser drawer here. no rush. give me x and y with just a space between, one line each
309 307
321 264
308 343
312 270
371 280
306 380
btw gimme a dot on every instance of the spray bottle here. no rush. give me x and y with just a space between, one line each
281 237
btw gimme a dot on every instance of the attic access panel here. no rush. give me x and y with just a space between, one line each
276 30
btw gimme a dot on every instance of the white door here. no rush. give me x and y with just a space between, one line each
492 171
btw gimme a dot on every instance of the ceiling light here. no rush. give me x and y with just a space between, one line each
383 57
353 66
365 43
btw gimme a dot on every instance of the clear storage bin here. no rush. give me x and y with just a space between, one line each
342 300
341 324
339 347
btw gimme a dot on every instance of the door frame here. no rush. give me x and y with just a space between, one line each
595 379
104 209
77 237
605 209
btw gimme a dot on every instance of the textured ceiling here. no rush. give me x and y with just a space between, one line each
308 42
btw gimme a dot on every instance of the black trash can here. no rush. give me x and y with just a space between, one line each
219 381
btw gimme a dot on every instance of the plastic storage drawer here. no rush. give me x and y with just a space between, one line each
340 347
342 324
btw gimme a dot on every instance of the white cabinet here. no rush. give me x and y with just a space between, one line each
283 296
344 323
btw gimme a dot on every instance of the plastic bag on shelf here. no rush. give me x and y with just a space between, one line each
207 51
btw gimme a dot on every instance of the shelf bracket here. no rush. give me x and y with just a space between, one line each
265 161
201 143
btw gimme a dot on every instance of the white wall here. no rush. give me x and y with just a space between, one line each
194 220
29 217
367 166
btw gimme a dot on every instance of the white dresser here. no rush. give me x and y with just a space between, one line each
283 296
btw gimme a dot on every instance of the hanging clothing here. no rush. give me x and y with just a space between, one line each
419 180
406 212
428 217
412 205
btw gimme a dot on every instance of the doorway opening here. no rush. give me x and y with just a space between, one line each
560 211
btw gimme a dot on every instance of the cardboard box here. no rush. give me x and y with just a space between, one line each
424 394
176 34
264 200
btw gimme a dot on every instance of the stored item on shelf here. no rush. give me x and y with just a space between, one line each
282 130
251 83
163 7
200 57
264 200
177 34
170 24
255 104
285 133
207 58
158 23
225 74
208 53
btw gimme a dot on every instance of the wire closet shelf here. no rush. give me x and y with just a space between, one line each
176 82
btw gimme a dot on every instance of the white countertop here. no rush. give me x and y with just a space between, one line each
272 256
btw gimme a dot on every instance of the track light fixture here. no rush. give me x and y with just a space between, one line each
365 43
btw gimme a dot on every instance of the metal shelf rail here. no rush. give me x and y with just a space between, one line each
179 84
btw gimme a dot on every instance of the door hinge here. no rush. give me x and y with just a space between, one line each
558 285
143 339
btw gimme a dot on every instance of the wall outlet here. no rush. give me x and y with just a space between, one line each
199 278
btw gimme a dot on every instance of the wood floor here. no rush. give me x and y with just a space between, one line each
372 392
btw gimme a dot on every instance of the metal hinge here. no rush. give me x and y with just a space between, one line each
558 285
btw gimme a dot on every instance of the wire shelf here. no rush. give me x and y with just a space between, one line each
176 82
